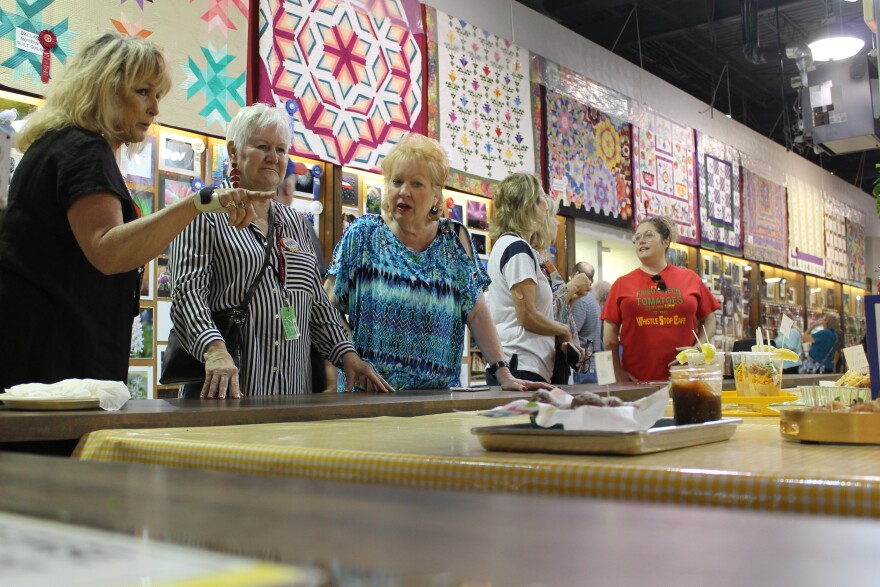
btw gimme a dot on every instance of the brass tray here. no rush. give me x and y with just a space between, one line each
841 427
665 435
30 403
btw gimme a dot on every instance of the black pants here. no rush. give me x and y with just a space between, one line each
524 375
791 370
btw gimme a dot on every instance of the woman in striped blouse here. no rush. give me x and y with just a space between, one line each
212 266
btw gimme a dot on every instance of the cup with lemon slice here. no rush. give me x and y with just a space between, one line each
764 369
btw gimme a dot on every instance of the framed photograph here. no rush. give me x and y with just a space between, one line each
457 213
139 167
716 265
163 278
144 201
142 338
716 285
770 291
735 274
728 269
350 189
173 188
163 320
737 325
480 245
706 271
372 190
476 215
147 287
219 160
792 296
140 382
180 153
305 185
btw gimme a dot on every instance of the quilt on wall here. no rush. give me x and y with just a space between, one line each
664 178
765 220
720 187
589 163
351 70
482 103
855 247
835 239
205 42
806 227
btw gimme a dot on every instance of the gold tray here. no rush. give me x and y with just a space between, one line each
842 427
663 436
30 403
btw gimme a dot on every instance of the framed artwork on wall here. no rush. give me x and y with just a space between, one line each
142 334
139 166
140 381
372 191
179 153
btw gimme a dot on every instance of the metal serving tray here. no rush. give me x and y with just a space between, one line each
663 436
844 427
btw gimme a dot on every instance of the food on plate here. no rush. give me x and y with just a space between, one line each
545 397
765 377
854 379
588 398
836 406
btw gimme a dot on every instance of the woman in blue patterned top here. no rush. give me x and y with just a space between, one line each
409 280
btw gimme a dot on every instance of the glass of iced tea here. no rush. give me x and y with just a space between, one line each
696 393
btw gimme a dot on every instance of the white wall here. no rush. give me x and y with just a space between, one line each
543 36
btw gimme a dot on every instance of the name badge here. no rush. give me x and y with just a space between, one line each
291 245
288 322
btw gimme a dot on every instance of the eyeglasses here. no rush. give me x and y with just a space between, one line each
588 349
661 285
647 235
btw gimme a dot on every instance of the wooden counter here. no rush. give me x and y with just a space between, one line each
419 537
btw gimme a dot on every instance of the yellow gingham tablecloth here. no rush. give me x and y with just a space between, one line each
756 469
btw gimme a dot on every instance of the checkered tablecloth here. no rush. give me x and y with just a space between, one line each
756 469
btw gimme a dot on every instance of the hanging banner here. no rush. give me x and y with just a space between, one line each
205 42
664 179
353 69
720 185
589 162
836 263
806 227
765 220
483 104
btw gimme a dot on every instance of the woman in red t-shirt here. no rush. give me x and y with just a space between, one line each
655 309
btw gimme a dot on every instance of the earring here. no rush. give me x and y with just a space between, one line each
434 211
235 176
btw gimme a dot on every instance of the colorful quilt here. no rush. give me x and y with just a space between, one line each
664 177
589 163
855 247
806 227
836 263
205 42
765 220
351 70
720 185
482 105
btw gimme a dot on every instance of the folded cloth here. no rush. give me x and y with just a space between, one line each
111 395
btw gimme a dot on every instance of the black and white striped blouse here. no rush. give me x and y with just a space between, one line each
212 265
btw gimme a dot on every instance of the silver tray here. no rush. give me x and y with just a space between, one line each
663 436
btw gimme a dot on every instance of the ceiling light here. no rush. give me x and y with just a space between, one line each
835 48
773 280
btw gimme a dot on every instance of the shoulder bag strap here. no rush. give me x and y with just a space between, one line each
253 288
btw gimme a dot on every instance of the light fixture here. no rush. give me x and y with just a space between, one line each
773 280
835 48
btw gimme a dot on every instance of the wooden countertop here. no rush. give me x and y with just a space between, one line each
420 536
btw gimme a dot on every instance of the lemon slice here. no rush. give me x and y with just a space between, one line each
785 354
708 351
763 348
682 357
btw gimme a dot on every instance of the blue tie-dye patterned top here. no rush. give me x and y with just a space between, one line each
407 310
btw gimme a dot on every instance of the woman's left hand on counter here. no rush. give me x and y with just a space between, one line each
359 372
510 383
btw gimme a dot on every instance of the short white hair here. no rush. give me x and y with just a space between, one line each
256 118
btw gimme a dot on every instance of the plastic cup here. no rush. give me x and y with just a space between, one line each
696 393
740 373
764 374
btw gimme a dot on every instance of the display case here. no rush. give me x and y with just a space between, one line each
823 297
853 323
781 291
728 279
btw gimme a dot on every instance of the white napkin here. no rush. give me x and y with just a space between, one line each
111 395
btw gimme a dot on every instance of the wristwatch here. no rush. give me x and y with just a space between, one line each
491 369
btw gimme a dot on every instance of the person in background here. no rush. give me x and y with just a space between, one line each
824 336
586 314
520 293
564 294
410 282
655 309
71 245
600 291
212 268
792 342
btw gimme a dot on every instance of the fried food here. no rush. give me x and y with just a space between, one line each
854 379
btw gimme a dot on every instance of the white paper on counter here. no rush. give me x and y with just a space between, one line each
111 395
636 416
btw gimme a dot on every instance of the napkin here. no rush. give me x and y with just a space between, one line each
111 395
632 417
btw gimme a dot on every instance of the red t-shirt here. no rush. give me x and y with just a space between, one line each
653 322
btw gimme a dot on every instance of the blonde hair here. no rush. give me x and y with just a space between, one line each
546 235
513 209
665 227
87 95
420 150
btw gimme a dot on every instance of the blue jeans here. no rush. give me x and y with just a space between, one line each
586 377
